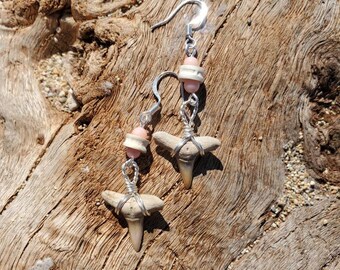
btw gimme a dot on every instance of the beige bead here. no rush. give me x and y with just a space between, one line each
191 75
191 72
191 60
141 132
136 142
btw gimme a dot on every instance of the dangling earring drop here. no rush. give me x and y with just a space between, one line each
191 75
134 206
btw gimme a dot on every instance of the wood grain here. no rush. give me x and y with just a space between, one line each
308 240
28 124
258 56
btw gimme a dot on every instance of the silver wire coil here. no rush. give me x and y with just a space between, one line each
131 186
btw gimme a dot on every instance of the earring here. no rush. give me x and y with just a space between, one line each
191 75
135 206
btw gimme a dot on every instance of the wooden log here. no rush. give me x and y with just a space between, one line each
258 56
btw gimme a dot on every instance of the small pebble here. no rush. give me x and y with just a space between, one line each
108 85
275 210
62 94
72 104
85 169
62 99
52 74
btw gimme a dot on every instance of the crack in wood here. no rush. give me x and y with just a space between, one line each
257 5
175 260
266 245
331 260
94 9
241 254
35 165
108 256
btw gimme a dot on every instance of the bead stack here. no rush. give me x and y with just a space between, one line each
191 74
136 142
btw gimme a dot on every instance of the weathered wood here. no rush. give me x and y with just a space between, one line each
308 240
258 57
28 124
333 265
320 119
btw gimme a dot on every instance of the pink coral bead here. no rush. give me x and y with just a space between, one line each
140 132
132 153
191 86
190 60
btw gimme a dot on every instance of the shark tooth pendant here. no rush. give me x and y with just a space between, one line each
188 153
132 212
132 205
187 148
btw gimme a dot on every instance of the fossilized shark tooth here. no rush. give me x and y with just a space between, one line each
133 214
188 154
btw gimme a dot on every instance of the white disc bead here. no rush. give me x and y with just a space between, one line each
136 142
191 72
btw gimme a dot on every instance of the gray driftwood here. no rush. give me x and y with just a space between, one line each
308 240
269 65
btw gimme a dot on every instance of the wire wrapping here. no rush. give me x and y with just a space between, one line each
131 186
188 121
190 46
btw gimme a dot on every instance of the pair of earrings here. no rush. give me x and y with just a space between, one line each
135 206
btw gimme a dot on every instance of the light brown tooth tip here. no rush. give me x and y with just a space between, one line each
136 231
186 169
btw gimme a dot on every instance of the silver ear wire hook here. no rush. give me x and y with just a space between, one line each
196 23
146 116
155 85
